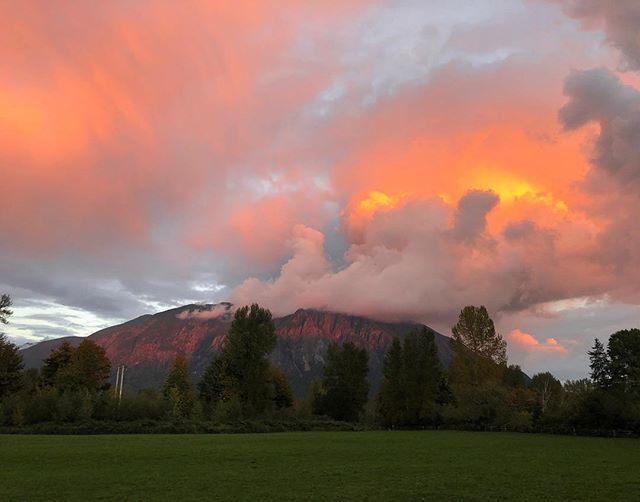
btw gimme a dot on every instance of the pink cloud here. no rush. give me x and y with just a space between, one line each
529 343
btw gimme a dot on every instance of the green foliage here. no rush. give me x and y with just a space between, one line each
10 367
241 368
344 383
5 312
479 352
178 390
513 376
392 398
228 411
85 367
58 360
488 405
476 331
218 383
413 385
548 390
624 356
283 395
89 369
599 365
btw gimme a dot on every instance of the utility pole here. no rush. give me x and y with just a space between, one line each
119 383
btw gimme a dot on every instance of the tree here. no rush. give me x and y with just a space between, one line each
58 360
624 356
476 331
391 396
89 369
548 389
479 352
599 364
344 382
10 359
5 312
241 369
513 376
413 384
178 389
10 367
283 395
218 383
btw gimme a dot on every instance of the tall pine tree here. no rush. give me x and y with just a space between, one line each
599 365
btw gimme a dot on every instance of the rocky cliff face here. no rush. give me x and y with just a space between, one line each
149 344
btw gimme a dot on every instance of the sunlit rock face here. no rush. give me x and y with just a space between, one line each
149 344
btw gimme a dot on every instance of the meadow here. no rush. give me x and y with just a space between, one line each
396 465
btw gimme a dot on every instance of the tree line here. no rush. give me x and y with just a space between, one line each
478 390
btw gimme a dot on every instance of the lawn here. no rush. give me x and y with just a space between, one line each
429 465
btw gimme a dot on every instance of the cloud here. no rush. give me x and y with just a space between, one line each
529 343
618 18
205 313
597 96
470 218
394 159
408 262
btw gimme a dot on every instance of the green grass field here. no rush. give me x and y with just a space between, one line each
428 465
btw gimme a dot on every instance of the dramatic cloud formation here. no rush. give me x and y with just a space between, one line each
394 159
620 20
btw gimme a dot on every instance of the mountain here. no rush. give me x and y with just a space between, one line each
149 344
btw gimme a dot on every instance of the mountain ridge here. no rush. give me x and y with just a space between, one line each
148 344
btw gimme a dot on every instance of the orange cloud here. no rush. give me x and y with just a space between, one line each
115 119
529 343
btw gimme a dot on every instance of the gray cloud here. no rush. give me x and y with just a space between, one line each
598 96
620 20
471 214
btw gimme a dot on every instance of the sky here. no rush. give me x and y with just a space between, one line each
398 159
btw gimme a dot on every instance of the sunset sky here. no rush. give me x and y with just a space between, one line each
398 159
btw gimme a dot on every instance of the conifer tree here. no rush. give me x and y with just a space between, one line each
344 384
178 389
599 365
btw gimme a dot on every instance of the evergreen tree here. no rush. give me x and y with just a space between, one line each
423 376
413 383
178 389
344 383
218 383
5 312
10 367
391 396
599 364
58 360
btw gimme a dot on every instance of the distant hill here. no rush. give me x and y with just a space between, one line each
149 344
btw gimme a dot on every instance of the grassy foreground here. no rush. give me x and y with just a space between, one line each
428 465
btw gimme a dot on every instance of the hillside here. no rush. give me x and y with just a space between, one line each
149 344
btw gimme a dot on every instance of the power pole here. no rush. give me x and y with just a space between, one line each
119 383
